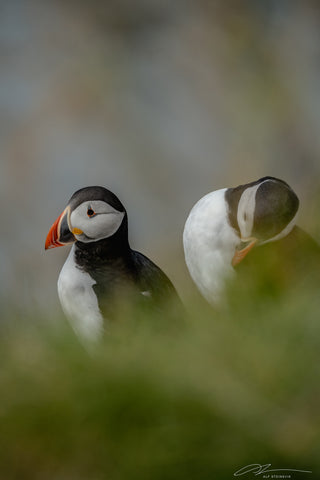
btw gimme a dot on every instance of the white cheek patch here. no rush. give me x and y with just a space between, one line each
246 208
103 224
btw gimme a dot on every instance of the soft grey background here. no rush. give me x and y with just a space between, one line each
160 101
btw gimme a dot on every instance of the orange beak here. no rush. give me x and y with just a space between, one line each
60 234
239 255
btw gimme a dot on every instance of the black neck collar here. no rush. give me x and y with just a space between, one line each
105 250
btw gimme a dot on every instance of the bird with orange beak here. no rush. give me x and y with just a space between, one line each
226 225
101 263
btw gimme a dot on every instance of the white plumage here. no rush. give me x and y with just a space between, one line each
209 244
78 300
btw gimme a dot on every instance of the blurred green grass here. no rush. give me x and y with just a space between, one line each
198 400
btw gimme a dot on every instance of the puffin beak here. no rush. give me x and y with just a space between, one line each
240 254
60 234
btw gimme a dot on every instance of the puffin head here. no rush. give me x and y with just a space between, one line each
261 212
92 214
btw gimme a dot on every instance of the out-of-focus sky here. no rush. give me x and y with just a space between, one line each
161 102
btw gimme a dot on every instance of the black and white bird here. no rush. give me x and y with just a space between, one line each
101 263
225 225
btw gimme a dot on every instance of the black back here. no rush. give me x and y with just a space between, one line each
115 267
124 276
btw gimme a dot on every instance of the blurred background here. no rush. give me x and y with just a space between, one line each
161 102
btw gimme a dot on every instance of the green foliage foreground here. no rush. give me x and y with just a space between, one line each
156 400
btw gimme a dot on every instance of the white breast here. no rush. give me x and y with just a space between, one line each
79 301
209 244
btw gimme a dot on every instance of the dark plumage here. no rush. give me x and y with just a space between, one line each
275 206
116 267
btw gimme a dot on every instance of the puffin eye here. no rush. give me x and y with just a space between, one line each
90 212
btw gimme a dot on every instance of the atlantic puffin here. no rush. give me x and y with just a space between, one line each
101 264
256 220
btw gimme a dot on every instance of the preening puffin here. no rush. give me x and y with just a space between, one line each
101 264
225 225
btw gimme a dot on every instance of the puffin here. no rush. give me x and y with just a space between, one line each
249 229
101 267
